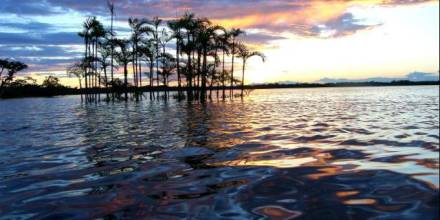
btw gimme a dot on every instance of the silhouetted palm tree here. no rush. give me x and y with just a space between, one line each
188 23
98 32
139 28
105 53
176 27
86 33
234 33
244 53
225 44
148 53
156 23
216 46
206 38
109 45
123 56
111 8
163 40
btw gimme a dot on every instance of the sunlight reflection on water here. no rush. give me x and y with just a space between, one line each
339 152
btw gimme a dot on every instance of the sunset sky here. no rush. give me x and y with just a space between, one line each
304 40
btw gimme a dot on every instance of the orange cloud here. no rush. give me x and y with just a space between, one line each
310 13
306 18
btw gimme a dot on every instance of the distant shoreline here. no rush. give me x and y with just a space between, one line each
342 84
23 92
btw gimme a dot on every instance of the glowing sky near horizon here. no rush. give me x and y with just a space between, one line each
304 40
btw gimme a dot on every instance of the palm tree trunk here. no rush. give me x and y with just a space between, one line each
194 82
98 75
85 60
125 80
242 77
190 71
80 88
217 89
105 76
163 59
204 72
151 73
232 70
125 75
94 65
214 72
178 64
140 73
223 75
157 72
133 65
189 79
199 65
157 57
136 65
91 65
112 47
151 78
91 69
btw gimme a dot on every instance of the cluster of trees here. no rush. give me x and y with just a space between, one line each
8 68
27 86
48 82
202 59
11 87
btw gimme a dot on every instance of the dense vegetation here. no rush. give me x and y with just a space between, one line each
202 57
28 86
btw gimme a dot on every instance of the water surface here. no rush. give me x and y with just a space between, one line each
333 153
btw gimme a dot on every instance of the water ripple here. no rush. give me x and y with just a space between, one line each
336 153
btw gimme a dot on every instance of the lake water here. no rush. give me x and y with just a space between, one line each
326 153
